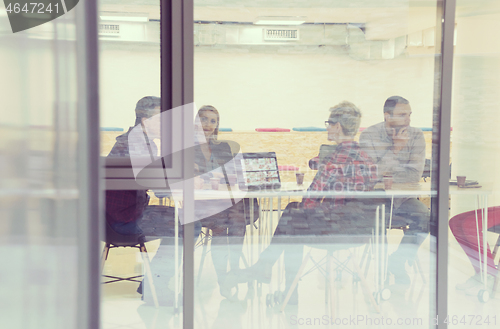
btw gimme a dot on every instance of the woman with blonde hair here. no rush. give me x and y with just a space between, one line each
229 226
209 119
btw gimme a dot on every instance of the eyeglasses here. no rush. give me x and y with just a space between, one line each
328 123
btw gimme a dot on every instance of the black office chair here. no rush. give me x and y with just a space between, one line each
117 240
332 264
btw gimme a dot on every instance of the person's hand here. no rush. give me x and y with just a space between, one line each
217 174
198 183
399 139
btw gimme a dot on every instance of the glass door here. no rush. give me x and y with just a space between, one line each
473 234
49 193
335 109
142 147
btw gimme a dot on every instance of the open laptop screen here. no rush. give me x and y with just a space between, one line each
259 171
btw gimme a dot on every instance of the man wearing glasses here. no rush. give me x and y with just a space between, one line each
399 150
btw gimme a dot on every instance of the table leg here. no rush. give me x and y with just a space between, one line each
331 284
386 254
176 257
390 214
250 240
377 252
485 231
279 206
259 228
271 217
477 205
364 284
383 274
483 263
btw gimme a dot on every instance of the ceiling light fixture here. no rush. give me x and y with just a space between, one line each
124 17
280 20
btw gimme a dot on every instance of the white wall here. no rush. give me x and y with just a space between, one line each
270 87
475 112
128 72
28 72
264 89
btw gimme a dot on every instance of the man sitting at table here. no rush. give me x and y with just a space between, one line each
348 169
124 208
129 212
399 150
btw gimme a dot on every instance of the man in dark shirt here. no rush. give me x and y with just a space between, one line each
129 212
399 150
124 208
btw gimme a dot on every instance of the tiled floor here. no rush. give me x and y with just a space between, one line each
123 308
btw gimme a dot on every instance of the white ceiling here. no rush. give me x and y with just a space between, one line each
384 19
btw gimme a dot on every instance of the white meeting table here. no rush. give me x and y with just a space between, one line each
293 190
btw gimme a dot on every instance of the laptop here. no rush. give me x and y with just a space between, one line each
258 171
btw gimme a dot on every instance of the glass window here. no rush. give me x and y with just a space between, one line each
42 160
343 230
137 282
474 215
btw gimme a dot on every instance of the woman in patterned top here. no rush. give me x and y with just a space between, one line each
348 169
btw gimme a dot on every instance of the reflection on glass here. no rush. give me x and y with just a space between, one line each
475 222
225 219
349 206
39 185
129 42
132 219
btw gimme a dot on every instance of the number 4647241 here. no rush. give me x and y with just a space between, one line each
32 8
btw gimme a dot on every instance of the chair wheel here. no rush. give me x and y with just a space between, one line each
483 296
385 294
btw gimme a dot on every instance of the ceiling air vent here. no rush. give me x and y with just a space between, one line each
281 34
109 29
